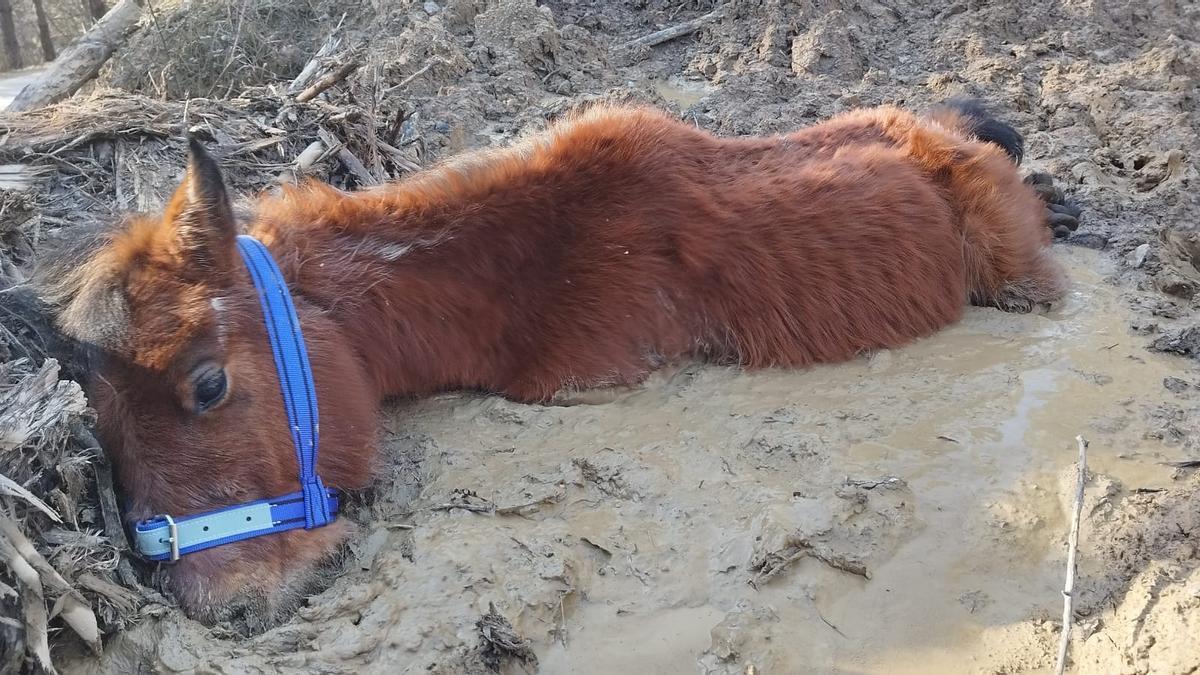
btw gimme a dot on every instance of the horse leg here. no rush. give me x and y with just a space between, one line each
1005 238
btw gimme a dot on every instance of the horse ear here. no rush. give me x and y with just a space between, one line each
201 216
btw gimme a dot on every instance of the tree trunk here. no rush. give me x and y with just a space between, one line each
12 48
96 8
81 61
44 31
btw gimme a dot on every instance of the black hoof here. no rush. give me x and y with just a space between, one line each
1062 214
1056 220
1067 207
1050 194
1039 178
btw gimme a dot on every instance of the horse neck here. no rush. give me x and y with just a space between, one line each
414 284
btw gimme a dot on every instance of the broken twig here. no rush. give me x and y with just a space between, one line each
777 562
888 482
676 31
1184 464
352 163
466 500
113 525
337 75
10 487
520 509
1069 587
409 80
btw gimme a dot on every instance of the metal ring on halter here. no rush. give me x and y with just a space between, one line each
172 535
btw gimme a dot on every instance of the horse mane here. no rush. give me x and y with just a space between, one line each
588 128
81 277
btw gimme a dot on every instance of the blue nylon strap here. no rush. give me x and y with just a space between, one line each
313 505
295 373
225 526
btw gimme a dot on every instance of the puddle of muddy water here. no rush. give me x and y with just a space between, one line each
933 469
679 91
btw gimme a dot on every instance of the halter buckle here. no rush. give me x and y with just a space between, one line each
172 535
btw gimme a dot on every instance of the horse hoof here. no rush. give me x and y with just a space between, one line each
1049 193
1039 178
1056 220
1068 207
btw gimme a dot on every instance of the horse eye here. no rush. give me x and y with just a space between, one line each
210 388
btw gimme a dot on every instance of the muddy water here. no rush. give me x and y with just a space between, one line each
991 501
680 91
896 514
666 497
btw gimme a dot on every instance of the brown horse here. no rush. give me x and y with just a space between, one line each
587 255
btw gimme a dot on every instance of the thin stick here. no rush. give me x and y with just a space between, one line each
109 511
328 81
352 163
676 31
1069 587
408 80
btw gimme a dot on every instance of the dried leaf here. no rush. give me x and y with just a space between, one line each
80 617
37 642
35 403
11 488
73 607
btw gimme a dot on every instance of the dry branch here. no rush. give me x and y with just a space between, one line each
81 61
676 31
309 156
778 561
12 488
110 512
353 164
409 80
332 78
1069 587
520 509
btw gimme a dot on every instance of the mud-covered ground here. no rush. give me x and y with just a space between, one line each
907 512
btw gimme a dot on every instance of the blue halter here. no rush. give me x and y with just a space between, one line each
165 538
